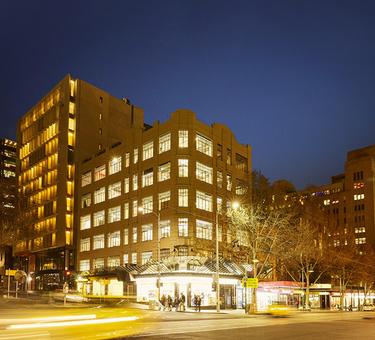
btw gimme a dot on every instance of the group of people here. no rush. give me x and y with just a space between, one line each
179 302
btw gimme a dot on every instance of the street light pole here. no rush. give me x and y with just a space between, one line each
217 263
159 274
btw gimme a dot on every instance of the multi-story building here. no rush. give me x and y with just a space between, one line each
8 192
71 122
157 196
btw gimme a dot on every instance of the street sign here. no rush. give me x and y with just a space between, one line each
252 283
10 272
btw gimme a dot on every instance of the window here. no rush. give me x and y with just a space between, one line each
164 172
134 258
135 234
84 244
229 156
114 214
99 218
204 229
135 182
146 256
219 179
360 240
99 195
126 185
164 143
219 152
183 168
86 200
135 208
358 185
203 173
98 241
147 205
220 233
147 178
113 261
113 239
86 179
114 190
84 265
85 222
229 182
203 201
327 202
127 160
99 173
203 144
183 227
126 210
135 156
148 150
115 165
241 187
126 237
183 197
98 263
164 253
183 251
165 228
147 232
241 163
164 198
219 205
360 230
358 197
126 258
183 138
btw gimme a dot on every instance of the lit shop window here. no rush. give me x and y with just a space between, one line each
86 179
358 197
98 241
99 173
147 232
85 222
135 156
164 143
183 138
183 227
148 150
164 198
183 168
126 237
135 234
115 165
84 244
135 182
146 256
164 172
147 205
165 228
98 263
126 185
203 144
126 211
84 265
203 201
204 229
113 239
113 261
114 190
86 200
99 195
183 197
134 258
99 218
203 173
147 178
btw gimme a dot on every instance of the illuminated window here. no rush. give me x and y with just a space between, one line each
86 201
219 152
359 230
164 143
183 227
204 229
219 205
147 178
99 218
126 185
135 156
146 256
113 261
114 190
358 185
84 265
135 208
113 239
203 144
164 172
360 240
164 198
135 234
86 179
126 258
127 160
327 202
203 173
99 173
229 156
203 201
241 187
126 211
126 237
219 179
147 205
98 241
183 138
358 197
148 150
134 258
183 168
165 228
135 182
71 124
85 222
147 232
84 244
115 165
114 214
99 195
183 197
98 263
229 182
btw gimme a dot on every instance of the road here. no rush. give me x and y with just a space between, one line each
37 321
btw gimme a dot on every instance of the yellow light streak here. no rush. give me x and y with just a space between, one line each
50 318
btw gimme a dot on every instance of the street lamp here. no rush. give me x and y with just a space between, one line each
157 214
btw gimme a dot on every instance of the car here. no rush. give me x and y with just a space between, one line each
278 309
368 307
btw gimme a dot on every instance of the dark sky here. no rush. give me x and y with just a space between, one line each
295 79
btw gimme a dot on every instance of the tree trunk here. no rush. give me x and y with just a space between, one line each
307 295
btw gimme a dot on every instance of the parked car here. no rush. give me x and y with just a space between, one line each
368 307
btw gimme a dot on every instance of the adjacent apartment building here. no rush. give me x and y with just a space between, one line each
149 206
73 121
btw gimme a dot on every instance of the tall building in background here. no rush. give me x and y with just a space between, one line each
73 121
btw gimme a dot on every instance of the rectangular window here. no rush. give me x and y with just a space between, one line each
219 205
358 197
126 185
360 240
241 187
85 222
229 156
126 210
204 229
219 153
241 163
146 256
126 258
360 230
126 236
113 261
84 244
135 234
113 239
134 258
229 182
98 263
135 208
127 160
183 227
203 144
203 173
86 179
99 173
164 253
114 190
147 178
115 165
183 197
99 195
135 182
99 218
99 241
164 198
183 168
164 143
135 156
165 228
114 214
203 201
86 201
147 232
148 150
164 172
219 179
84 265
147 205
183 138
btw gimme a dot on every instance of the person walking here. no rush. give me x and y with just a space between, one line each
169 303
163 301
176 303
182 302
195 302
199 302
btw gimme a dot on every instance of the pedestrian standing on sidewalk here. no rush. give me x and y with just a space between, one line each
176 303
182 302
163 301
169 303
199 302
